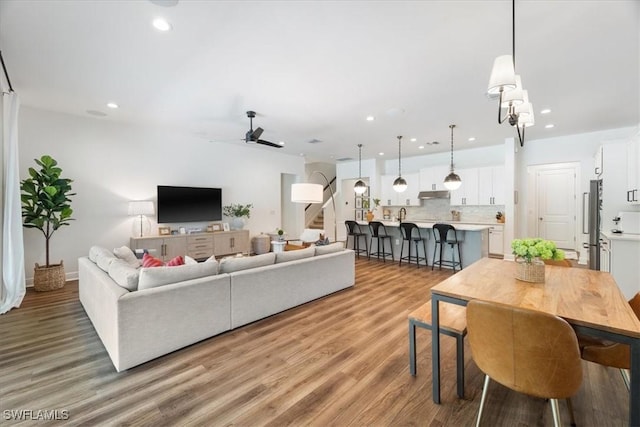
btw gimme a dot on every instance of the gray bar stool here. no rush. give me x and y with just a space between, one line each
379 232
411 234
354 230
443 237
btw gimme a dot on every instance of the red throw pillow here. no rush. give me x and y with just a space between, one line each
150 261
175 261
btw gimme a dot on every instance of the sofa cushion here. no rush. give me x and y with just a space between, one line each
229 265
159 276
327 249
127 255
297 254
124 274
97 251
103 257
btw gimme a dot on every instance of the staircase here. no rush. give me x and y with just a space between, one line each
318 221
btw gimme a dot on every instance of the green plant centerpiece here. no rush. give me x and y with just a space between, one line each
237 212
529 255
46 206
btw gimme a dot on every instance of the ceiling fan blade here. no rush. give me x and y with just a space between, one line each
256 133
270 144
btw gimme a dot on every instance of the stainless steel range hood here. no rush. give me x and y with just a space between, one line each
441 194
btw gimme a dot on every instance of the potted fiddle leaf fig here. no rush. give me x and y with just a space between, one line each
46 206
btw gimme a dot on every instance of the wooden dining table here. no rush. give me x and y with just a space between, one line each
589 300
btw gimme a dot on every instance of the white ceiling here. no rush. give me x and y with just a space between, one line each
316 69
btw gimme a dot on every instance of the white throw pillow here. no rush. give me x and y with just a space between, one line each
124 274
327 249
97 251
229 265
127 255
189 261
159 276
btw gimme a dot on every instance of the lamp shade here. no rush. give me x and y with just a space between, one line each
306 193
503 75
515 96
452 181
141 207
360 187
525 115
400 184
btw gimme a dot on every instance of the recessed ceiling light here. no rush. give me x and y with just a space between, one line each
421 147
413 139
473 138
161 24
281 143
381 154
370 118
545 111
112 105
549 126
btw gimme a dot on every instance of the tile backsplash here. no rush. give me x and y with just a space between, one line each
440 209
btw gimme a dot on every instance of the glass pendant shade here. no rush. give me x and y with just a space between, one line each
360 187
515 96
400 184
503 75
452 181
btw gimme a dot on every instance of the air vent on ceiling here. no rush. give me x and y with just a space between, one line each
314 141
345 159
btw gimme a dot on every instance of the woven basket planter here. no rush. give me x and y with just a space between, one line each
530 271
48 278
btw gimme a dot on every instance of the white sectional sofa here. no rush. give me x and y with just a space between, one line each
143 313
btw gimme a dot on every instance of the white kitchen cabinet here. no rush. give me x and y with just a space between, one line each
409 197
432 178
496 240
624 254
467 194
597 167
633 171
491 185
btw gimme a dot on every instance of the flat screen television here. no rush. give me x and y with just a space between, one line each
188 204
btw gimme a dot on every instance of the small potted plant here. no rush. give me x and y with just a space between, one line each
280 234
237 212
529 254
366 204
45 198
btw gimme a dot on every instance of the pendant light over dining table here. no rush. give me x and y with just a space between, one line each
360 187
400 184
508 85
452 181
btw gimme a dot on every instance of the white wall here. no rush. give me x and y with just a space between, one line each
112 164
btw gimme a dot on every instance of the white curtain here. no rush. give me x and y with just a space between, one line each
13 275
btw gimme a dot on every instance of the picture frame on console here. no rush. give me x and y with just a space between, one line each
225 226
164 231
216 227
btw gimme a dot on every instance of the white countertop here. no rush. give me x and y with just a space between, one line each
423 224
620 236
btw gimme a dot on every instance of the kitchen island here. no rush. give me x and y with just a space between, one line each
473 238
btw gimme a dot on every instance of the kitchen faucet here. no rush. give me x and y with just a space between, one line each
402 214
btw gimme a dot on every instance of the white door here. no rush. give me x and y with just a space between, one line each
556 206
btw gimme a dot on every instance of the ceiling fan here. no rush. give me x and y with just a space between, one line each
253 136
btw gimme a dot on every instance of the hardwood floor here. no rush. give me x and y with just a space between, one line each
338 361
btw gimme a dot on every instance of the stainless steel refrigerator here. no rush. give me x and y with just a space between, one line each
591 207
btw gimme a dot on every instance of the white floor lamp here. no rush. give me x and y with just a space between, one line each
313 193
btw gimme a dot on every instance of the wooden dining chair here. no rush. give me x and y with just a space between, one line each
615 355
527 351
